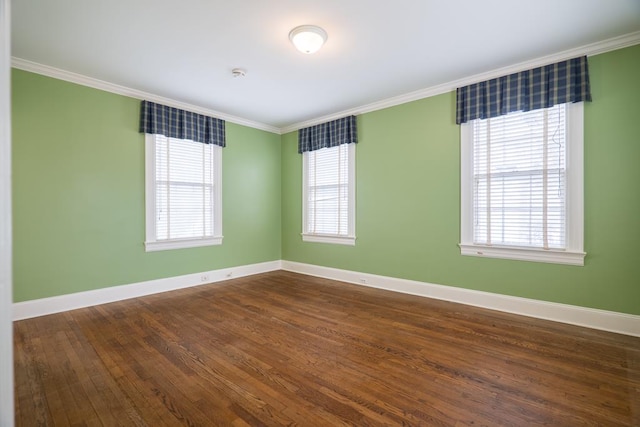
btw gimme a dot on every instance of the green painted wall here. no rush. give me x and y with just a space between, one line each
78 194
408 201
78 164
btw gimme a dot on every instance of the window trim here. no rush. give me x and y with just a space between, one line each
350 238
151 243
574 253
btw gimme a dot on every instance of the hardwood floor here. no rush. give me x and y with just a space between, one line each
286 349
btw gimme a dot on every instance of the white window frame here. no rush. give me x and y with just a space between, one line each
152 243
574 253
350 237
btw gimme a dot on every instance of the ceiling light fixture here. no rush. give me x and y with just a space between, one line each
308 38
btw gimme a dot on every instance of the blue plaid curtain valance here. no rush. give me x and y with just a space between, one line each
176 123
330 134
542 87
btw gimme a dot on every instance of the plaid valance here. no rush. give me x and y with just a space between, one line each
176 123
542 87
330 134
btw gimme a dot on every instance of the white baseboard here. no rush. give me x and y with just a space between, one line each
57 304
611 321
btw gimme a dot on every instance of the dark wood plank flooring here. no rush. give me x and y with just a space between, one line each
286 349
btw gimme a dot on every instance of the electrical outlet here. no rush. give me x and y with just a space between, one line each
363 281
204 278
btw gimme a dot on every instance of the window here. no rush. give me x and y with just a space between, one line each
522 186
182 193
329 195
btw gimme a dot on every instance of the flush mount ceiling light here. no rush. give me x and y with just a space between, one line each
308 38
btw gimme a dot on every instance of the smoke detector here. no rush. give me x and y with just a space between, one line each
238 72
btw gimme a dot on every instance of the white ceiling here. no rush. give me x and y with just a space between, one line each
185 50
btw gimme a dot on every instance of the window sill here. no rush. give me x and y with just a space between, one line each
164 245
553 256
324 238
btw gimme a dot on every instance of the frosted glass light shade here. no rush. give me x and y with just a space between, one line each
308 38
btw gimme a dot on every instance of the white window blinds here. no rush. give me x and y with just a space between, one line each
183 193
184 189
329 191
519 180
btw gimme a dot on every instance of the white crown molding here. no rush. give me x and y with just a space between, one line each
614 43
45 70
610 321
592 49
57 304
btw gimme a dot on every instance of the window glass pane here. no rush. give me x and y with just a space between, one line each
184 189
519 179
328 191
